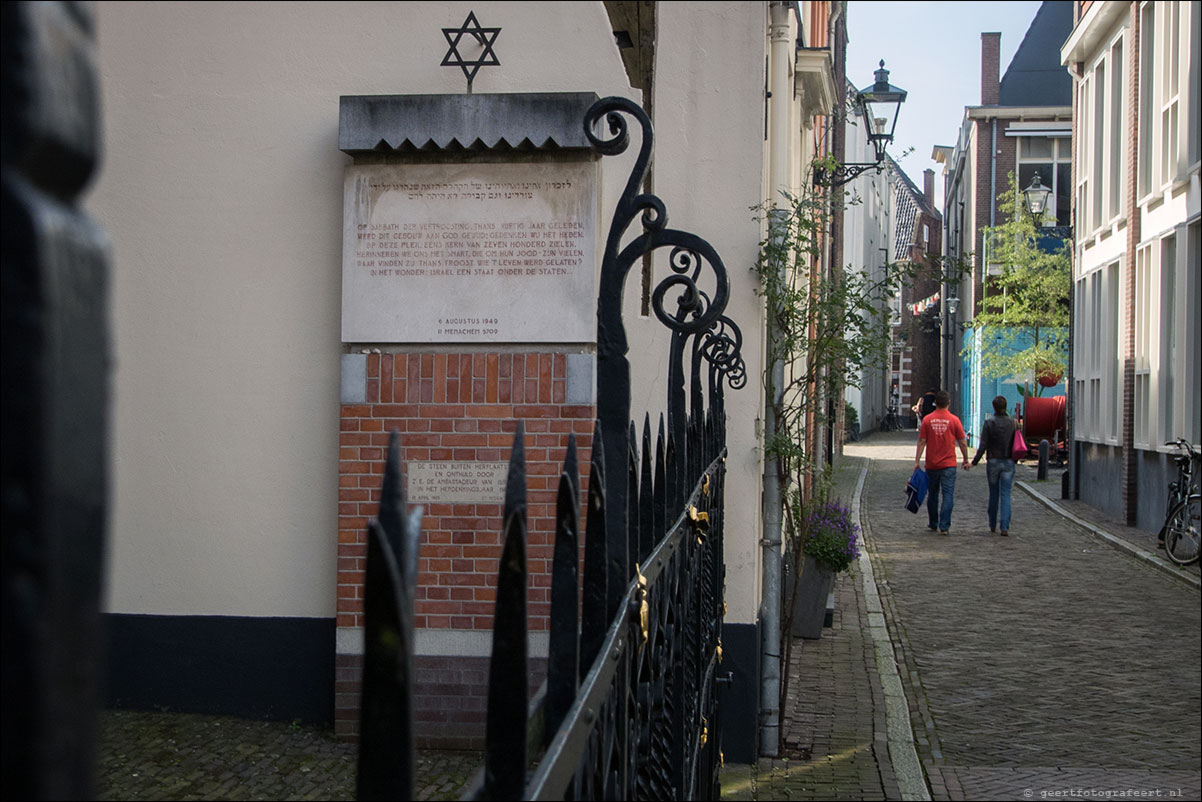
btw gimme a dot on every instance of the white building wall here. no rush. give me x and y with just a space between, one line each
1166 269
1160 47
867 226
708 171
221 190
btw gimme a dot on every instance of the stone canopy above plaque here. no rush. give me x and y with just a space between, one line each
543 121
470 251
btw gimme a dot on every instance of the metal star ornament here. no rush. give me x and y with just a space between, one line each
484 36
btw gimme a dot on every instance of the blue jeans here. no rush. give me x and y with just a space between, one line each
1000 473
940 515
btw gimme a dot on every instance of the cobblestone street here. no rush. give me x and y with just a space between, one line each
1043 664
1060 662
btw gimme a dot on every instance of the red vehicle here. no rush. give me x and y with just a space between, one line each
1045 419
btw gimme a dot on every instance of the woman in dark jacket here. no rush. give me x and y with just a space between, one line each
997 441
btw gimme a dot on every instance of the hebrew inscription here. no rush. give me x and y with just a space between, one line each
469 253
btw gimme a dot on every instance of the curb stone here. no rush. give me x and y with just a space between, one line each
1157 562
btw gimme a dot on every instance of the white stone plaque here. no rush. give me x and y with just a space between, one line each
494 253
439 482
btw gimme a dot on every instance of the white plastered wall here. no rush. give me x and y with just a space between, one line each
221 191
708 171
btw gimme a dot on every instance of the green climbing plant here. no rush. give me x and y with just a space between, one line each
824 328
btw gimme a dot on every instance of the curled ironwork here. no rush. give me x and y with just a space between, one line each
630 707
607 126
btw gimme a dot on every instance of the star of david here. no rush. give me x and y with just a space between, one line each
485 36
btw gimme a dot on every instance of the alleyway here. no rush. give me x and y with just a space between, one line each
1044 662
1049 664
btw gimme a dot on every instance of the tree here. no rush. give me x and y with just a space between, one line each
1026 308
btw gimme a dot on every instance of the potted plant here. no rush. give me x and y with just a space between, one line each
829 545
851 422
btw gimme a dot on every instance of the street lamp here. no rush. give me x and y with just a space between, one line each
949 334
1036 198
881 101
950 330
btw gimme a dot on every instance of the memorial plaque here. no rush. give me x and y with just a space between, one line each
446 253
439 482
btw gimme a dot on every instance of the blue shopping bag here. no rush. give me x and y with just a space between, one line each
916 490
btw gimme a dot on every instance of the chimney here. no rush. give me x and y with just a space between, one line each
928 186
991 57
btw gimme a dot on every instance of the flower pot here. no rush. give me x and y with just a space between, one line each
809 606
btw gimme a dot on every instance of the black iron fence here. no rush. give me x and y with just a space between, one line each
630 706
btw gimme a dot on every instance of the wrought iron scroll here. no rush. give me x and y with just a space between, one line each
629 709
689 255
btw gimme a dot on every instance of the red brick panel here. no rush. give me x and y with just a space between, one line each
457 407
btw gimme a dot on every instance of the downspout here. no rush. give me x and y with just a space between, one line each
947 335
992 218
993 177
779 101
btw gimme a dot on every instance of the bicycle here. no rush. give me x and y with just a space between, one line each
892 422
1180 534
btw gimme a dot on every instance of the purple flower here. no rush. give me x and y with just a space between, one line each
831 536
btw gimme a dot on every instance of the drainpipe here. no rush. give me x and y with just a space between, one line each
779 102
993 177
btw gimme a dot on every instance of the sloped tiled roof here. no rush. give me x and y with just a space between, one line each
908 200
905 213
1035 76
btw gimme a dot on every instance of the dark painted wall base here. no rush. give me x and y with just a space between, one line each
1100 477
1100 482
450 699
740 700
265 668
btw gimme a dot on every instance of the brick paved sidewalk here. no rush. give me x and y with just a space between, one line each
833 730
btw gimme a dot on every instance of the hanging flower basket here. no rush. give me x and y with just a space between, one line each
1050 378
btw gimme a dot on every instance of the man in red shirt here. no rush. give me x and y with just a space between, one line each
939 434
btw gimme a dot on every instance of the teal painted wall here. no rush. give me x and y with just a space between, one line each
978 391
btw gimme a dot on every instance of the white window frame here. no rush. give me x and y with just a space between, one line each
1084 367
1147 139
1083 170
1147 342
1189 301
1097 378
1181 372
1112 366
1101 139
1061 154
1098 135
1164 135
1169 95
1116 128
1167 358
